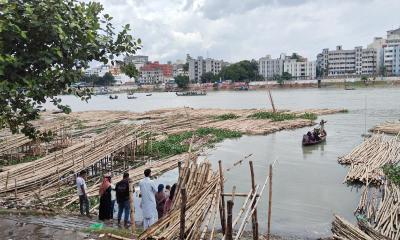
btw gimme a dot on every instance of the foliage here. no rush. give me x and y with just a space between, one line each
186 67
107 80
286 76
45 45
226 116
92 79
207 77
281 116
130 70
308 115
176 144
182 81
392 172
241 71
364 79
123 232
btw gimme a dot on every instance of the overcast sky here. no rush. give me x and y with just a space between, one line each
235 30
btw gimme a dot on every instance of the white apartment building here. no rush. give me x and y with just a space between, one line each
300 70
268 67
138 60
199 66
391 52
155 76
340 62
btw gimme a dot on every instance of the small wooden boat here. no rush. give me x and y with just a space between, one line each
113 96
307 141
349 88
131 97
191 93
148 95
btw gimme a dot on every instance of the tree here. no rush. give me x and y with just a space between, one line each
364 79
207 77
286 76
241 71
45 45
92 79
186 67
182 81
130 70
107 80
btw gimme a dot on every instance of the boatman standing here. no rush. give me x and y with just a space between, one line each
148 189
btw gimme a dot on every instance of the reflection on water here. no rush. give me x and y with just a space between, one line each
308 182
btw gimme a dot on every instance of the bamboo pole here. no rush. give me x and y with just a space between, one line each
269 202
8 175
222 210
228 235
254 219
15 185
183 209
132 209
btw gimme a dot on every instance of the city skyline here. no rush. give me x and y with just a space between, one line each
237 30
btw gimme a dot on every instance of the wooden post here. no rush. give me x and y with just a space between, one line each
222 210
15 185
271 100
269 202
228 235
132 206
58 179
183 210
254 217
125 156
143 143
8 174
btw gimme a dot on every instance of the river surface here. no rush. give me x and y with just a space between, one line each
308 183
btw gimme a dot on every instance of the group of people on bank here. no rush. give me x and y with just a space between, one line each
155 202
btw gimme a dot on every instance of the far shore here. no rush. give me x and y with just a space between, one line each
349 84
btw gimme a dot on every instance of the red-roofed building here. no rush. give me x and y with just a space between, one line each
154 72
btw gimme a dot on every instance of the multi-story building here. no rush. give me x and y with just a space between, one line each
391 52
138 60
378 43
268 67
155 73
300 69
340 62
199 66
151 76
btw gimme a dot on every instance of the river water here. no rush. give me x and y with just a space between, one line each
308 183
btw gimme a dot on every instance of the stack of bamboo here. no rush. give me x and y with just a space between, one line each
343 230
387 220
367 159
202 205
388 127
47 171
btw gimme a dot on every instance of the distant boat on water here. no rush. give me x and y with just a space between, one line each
149 94
191 93
113 97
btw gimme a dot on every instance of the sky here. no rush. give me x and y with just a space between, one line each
235 30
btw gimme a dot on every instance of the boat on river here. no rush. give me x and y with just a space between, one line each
113 97
149 94
131 97
191 93
318 135
307 141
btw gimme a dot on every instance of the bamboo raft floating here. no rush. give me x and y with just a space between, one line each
367 159
387 127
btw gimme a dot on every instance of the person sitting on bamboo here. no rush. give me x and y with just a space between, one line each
105 212
148 190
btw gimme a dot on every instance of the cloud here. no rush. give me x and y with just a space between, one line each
244 29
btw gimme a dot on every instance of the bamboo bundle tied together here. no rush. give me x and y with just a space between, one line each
367 159
387 127
203 196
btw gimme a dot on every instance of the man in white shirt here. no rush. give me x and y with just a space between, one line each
82 193
148 190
